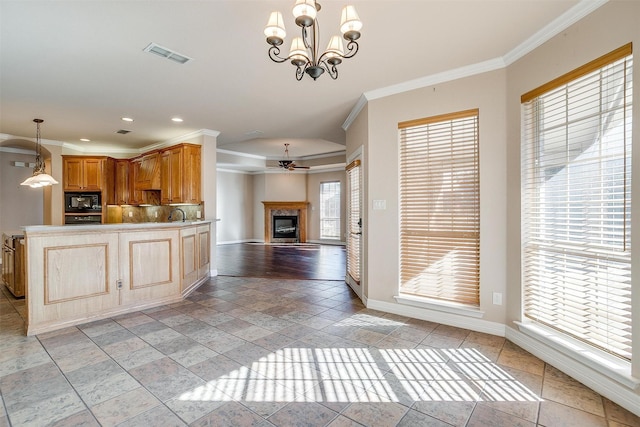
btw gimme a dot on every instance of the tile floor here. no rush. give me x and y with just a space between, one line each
249 351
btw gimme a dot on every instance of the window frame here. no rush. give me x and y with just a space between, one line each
548 330
457 244
336 219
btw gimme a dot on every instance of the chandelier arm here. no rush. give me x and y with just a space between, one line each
352 49
300 71
332 70
274 54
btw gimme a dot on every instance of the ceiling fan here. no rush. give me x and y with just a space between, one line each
287 163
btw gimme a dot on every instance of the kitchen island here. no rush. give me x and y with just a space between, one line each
81 273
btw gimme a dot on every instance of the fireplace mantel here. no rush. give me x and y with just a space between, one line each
301 207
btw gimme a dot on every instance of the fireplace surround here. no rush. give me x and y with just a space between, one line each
289 209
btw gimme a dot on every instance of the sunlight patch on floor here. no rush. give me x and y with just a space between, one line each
366 375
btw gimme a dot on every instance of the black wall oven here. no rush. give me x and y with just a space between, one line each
83 208
83 203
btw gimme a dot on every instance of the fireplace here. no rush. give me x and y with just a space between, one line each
295 224
285 227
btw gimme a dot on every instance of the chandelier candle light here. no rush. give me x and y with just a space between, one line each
304 53
39 178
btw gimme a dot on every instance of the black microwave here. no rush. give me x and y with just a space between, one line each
82 202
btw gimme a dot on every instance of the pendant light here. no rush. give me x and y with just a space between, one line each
39 178
305 54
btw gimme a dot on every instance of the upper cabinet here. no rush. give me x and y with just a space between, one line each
83 173
167 176
148 173
180 174
122 182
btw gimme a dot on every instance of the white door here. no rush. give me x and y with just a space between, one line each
354 225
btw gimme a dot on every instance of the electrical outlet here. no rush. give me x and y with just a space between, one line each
130 214
198 214
497 298
156 213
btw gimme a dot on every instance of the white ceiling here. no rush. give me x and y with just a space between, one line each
80 66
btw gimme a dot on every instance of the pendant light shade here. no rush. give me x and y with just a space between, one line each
39 178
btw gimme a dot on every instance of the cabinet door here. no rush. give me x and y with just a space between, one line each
189 262
149 175
72 174
92 170
122 182
82 174
204 248
176 182
191 175
149 266
135 194
165 177
171 172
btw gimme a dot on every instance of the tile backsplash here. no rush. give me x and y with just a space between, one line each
135 214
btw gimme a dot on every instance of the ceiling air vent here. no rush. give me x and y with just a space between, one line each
123 131
167 53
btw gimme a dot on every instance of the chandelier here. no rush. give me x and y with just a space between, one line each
304 53
39 178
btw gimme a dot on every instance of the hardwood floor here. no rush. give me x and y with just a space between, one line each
304 262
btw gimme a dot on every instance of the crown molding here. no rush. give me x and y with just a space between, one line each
240 154
570 17
16 150
555 27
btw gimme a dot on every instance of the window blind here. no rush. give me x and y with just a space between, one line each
354 221
330 210
576 197
440 207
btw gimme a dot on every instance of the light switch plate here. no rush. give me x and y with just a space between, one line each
379 205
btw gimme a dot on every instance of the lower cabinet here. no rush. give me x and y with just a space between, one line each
195 260
79 276
149 266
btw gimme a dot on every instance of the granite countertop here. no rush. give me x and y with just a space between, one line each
79 228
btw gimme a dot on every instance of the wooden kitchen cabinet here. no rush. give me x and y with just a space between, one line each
99 271
122 186
148 173
180 174
194 248
82 173
135 195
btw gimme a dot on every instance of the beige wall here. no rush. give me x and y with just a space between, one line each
609 27
293 187
19 205
235 202
313 196
357 146
485 92
497 95
285 187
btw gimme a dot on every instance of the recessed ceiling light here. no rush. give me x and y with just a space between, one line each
85 140
177 119
127 119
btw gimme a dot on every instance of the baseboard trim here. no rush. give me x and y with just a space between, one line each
231 242
328 242
450 319
593 379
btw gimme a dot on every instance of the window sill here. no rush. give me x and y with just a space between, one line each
600 361
436 305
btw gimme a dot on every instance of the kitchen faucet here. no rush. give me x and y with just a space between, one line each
176 209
